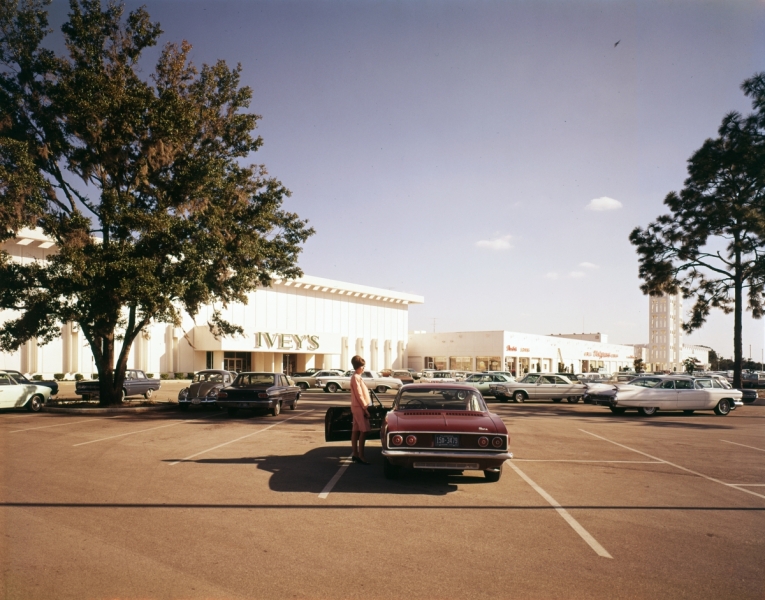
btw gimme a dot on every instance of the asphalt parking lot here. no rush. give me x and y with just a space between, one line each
201 505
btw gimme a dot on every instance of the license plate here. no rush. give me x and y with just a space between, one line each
243 405
196 401
447 441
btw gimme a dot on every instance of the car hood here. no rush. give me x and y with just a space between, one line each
202 388
439 420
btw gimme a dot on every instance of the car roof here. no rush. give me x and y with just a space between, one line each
436 386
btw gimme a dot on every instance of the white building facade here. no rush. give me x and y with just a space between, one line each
294 325
518 353
666 350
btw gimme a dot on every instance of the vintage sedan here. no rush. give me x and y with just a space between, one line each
684 393
22 395
338 420
372 379
21 378
204 388
443 426
305 381
265 391
482 381
536 386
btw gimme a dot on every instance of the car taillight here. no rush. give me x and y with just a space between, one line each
483 441
411 440
262 395
222 395
496 442
397 440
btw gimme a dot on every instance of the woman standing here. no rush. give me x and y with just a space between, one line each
360 402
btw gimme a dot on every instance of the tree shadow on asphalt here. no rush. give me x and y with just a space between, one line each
310 472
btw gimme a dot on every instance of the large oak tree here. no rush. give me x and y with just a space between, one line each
141 182
711 246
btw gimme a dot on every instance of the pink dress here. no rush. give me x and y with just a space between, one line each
359 400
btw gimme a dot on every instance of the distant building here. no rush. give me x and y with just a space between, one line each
666 351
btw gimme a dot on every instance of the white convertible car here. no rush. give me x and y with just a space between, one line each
21 395
673 392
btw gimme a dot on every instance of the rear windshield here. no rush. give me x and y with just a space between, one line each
248 379
435 399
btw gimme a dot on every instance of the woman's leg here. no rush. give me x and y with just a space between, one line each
362 438
354 442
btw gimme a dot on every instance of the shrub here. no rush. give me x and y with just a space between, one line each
79 377
58 376
36 377
189 375
93 376
164 376
150 375
179 375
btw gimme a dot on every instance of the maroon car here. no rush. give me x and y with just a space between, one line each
443 426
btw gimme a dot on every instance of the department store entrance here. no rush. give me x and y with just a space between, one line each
236 361
289 363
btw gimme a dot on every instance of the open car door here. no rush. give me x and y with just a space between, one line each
338 422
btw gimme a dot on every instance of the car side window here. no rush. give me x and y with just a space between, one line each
560 380
667 385
4 379
546 379
531 379
702 384
140 375
682 384
716 383
367 374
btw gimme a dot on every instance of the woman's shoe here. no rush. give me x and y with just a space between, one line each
355 459
362 461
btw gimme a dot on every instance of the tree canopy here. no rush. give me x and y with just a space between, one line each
711 246
141 181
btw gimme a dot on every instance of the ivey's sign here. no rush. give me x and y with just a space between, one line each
286 341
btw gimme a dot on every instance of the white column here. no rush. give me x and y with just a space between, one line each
387 364
344 359
373 352
278 358
517 365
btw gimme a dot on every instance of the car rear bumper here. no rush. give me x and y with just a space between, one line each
197 400
428 459
246 403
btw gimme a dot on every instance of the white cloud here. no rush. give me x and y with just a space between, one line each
552 275
500 243
589 265
576 274
604 203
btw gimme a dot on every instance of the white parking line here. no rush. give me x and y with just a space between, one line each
731 485
583 533
331 483
61 424
562 460
743 445
237 439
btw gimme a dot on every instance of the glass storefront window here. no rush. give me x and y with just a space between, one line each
488 363
435 362
461 363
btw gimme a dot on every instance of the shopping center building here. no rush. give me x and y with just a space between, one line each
322 323
291 326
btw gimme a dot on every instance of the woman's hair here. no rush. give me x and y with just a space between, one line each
357 362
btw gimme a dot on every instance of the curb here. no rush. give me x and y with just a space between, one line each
108 411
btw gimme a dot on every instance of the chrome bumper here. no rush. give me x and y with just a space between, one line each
246 403
450 456
196 401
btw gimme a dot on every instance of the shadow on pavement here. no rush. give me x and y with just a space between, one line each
311 471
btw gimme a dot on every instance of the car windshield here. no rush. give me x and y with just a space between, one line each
440 399
643 382
248 379
208 377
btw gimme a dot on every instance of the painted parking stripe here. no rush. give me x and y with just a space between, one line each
563 460
743 445
111 437
331 483
61 424
583 533
237 439
730 485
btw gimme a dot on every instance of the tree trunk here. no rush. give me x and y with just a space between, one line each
738 286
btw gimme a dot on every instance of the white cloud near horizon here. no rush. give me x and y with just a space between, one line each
500 243
589 265
603 203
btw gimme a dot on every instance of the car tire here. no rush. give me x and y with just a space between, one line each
556 400
183 405
493 474
519 397
293 406
276 409
688 412
232 412
35 403
649 411
332 387
390 471
617 411
381 389
303 385
723 407
124 395
147 394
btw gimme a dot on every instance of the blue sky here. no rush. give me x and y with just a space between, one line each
452 149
